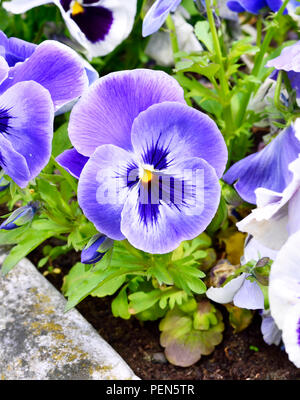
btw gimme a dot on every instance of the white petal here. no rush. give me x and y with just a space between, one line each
275 217
291 335
226 293
21 6
123 14
254 250
284 287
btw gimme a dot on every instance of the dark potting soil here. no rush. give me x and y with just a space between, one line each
241 356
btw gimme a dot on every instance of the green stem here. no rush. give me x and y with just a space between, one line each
173 37
277 101
66 175
258 63
259 30
225 91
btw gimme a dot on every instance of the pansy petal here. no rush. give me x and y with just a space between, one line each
252 6
102 188
291 335
249 296
102 26
270 222
284 287
226 293
274 5
183 206
105 113
178 131
56 67
271 334
15 50
21 6
288 60
9 158
4 68
72 161
254 250
157 15
29 125
267 169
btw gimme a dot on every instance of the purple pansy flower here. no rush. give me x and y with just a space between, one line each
267 168
254 6
53 65
96 248
146 147
98 26
157 14
288 61
26 130
32 80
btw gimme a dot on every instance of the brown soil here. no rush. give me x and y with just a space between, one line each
138 344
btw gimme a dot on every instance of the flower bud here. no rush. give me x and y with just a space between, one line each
261 271
3 184
20 217
96 248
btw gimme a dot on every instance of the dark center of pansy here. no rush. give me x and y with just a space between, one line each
94 21
4 120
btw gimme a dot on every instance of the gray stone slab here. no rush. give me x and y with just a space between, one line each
39 341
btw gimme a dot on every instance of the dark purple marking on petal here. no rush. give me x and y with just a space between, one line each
4 120
298 331
132 174
94 22
66 4
156 155
163 189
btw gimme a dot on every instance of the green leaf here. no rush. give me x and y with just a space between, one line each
202 31
140 301
28 243
61 141
120 305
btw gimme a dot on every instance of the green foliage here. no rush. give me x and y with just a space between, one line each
189 333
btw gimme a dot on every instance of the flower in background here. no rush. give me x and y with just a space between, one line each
26 130
141 180
288 61
284 296
20 217
271 333
53 65
276 216
96 248
157 14
98 26
159 46
267 168
34 81
254 6
244 293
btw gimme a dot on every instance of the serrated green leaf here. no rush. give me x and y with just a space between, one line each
202 31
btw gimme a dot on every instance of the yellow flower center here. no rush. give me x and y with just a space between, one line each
77 8
147 176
